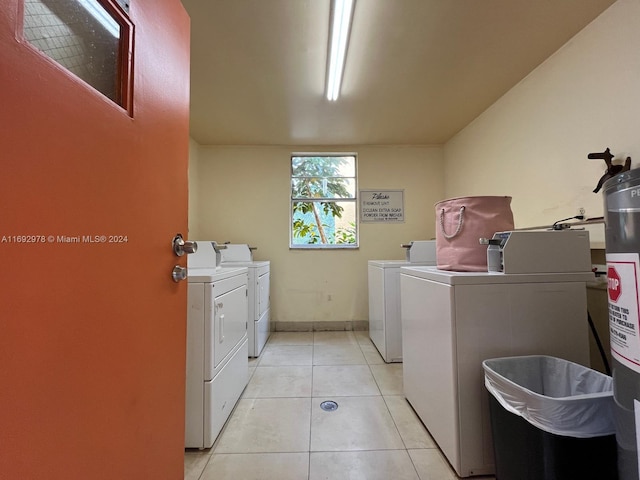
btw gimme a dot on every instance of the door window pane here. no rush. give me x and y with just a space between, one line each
80 35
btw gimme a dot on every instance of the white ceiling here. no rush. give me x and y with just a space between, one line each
417 71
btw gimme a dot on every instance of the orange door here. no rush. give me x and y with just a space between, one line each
92 326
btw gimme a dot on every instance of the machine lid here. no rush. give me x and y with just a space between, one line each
471 278
254 264
397 263
210 275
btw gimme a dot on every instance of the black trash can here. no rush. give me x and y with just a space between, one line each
551 419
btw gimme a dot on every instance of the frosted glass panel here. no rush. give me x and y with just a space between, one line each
81 36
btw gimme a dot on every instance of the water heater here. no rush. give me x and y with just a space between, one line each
622 235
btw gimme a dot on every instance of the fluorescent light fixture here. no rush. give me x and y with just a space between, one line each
341 13
98 12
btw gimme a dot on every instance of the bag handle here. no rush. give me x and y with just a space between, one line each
460 222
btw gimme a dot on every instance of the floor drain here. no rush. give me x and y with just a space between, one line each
329 406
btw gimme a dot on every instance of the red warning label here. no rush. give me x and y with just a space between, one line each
614 285
623 289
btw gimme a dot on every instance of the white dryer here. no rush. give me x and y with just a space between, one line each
385 328
452 321
259 324
217 350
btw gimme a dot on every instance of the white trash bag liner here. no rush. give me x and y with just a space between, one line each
555 395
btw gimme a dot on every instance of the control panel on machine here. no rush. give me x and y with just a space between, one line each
539 251
420 251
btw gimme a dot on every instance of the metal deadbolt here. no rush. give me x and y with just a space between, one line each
179 273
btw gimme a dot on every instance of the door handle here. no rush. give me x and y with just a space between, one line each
220 314
182 246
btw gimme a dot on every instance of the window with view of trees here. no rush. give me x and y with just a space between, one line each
323 201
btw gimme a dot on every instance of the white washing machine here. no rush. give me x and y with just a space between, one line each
217 350
385 329
259 324
452 321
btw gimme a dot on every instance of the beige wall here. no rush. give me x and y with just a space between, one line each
533 143
243 197
194 212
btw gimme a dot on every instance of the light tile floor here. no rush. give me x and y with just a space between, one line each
278 430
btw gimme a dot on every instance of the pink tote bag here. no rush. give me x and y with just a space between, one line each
461 223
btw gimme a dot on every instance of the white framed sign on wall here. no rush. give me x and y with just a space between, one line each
382 206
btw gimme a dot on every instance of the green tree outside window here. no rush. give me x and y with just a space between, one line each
323 201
